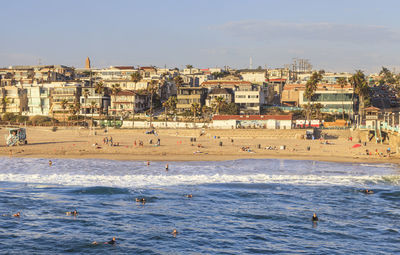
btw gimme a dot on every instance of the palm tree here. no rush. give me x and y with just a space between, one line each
342 81
4 103
361 89
86 94
311 87
77 107
99 89
152 88
195 108
219 103
71 109
115 88
178 82
93 106
206 112
136 77
64 103
190 68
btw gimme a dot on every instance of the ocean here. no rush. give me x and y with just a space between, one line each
259 206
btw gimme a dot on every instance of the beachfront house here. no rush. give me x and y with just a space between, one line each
13 100
226 94
65 93
94 104
128 102
190 95
38 100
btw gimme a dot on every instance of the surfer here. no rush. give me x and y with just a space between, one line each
141 200
314 217
74 213
17 214
112 242
367 191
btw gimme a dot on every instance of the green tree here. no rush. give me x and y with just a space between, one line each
64 104
230 109
136 77
4 103
99 89
342 81
190 67
195 108
388 77
115 89
152 89
218 104
361 89
93 106
178 82
86 94
311 87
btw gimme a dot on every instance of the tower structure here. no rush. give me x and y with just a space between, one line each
87 63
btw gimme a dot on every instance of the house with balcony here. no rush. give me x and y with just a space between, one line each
128 102
71 95
250 99
226 94
189 95
13 100
93 103
38 100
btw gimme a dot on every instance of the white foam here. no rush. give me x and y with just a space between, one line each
135 174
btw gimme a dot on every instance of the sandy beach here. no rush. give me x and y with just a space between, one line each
176 145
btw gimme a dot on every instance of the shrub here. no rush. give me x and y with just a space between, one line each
8 116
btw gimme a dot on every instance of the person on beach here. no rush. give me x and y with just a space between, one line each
17 214
314 217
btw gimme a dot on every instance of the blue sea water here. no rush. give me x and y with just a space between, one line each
238 207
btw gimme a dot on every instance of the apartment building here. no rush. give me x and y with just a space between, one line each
71 94
38 100
13 100
226 94
94 103
250 99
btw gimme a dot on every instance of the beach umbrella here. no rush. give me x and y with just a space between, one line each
356 145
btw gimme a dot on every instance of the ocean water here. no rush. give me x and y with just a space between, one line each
238 207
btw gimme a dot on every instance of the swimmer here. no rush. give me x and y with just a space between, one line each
112 242
74 213
189 196
367 191
166 167
50 163
17 214
141 200
174 232
314 217
148 163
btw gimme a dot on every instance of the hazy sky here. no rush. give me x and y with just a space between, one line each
334 34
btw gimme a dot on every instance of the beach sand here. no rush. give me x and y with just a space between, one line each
176 145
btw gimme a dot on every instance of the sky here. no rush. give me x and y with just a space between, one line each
335 35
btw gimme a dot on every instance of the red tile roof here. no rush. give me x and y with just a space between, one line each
253 117
124 67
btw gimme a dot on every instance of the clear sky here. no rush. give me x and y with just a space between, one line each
336 35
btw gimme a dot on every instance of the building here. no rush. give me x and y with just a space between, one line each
256 76
127 102
94 103
13 100
252 121
250 99
226 94
38 100
189 95
68 94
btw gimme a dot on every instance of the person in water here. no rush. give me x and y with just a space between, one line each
174 232
112 242
74 213
166 167
314 217
17 214
189 196
141 200
50 163
367 191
